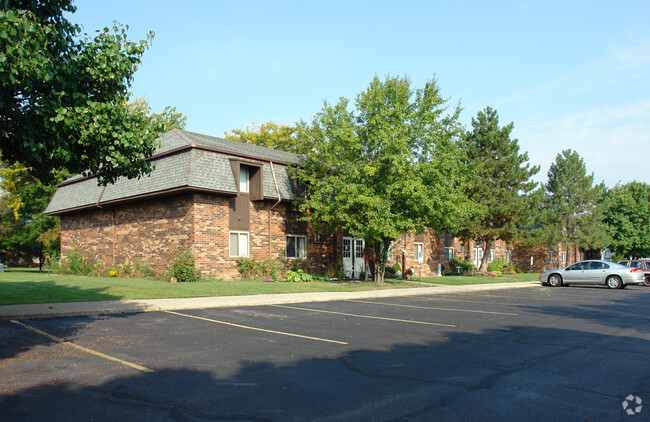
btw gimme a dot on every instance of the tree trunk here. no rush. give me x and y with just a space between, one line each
486 253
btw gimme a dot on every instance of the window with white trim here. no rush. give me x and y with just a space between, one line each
244 178
238 244
491 256
564 257
419 247
296 247
507 256
449 254
320 238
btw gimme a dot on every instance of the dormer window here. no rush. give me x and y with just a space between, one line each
244 178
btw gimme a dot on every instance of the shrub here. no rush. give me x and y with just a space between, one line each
75 263
299 276
464 264
143 270
183 267
254 269
497 266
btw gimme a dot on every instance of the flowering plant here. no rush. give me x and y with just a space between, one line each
183 267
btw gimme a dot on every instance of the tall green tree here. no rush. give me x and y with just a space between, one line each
627 219
64 94
573 207
270 135
24 229
390 166
501 181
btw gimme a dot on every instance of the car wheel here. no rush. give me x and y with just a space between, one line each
614 282
646 281
554 280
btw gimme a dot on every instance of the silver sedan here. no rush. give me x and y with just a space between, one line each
610 274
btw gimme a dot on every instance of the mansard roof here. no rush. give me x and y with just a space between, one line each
184 161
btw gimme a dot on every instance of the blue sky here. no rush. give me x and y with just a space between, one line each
569 74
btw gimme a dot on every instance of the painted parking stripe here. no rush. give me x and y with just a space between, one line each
433 307
83 349
255 328
480 302
363 316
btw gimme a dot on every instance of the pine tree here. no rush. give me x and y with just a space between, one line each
573 208
501 180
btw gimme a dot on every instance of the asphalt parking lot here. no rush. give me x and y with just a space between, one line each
536 353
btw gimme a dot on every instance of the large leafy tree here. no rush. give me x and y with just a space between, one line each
270 135
627 219
573 208
501 180
389 167
64 94
24 230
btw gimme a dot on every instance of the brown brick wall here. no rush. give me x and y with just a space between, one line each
155 231
149 231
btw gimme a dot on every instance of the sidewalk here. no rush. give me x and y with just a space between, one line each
51 310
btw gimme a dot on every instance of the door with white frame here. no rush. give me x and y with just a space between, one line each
359 262
353 263
478 255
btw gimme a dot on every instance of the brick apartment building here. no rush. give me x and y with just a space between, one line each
222 200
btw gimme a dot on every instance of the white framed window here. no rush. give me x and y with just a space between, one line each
320 238
347 247
507 256
449 254
564 257
391 252
419 248
244 178
551 255
238 244
491 256
296 247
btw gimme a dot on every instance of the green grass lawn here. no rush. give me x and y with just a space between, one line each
20 286
457 280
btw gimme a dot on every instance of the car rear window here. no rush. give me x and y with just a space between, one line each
647 265
636 264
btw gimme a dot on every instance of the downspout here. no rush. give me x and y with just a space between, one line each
277 191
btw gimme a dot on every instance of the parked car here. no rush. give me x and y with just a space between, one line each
610 274
644 264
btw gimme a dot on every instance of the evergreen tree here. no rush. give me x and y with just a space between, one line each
573 208
500 182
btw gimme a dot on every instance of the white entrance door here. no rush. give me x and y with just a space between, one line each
353 263
478 255
347 256
359 263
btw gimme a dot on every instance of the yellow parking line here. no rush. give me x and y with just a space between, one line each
435 308
255 328
363 316
83 349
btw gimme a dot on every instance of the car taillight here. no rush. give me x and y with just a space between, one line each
635 270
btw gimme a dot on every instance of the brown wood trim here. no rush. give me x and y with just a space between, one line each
167 192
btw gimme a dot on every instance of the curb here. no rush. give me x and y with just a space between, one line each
53 310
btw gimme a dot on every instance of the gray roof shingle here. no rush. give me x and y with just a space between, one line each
201 162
